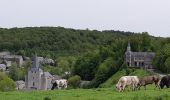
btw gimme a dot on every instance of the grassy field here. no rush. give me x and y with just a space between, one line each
89 94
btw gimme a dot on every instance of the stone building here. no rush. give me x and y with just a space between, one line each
139 59
7 58
37 79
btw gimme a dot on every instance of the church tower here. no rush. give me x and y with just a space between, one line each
129 47
33 79
128 55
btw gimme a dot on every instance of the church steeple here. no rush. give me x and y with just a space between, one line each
35 62
128 47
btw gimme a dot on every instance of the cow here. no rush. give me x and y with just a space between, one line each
60 84
125 81
149 80
165 81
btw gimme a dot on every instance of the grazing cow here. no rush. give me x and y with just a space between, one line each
149 80
60 84
165 81
125 81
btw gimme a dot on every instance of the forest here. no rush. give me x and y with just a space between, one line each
90 54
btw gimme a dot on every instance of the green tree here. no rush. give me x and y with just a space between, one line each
6 84
14 72
105 70
167 64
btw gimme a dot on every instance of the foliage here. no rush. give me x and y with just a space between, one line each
16 73
74 81
53 70
167 64
54 41
86 65
6 84
66 63
162 58
105 70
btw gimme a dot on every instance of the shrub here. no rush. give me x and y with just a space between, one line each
6 84
47 98
74 81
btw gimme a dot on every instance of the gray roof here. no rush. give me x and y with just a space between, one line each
47 74
56 77
13 56
143 54
4 53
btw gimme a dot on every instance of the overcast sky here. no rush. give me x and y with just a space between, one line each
152 16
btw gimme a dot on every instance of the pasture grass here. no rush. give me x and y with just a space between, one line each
89 94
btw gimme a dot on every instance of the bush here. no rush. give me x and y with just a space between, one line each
47 98
6 84
74 81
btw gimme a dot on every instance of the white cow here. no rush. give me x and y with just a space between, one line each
125 81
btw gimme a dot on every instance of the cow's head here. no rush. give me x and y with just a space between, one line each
118 87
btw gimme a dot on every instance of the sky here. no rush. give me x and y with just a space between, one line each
152 16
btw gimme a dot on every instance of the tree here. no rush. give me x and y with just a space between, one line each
6 84
167 64
14 72
86 65
105 70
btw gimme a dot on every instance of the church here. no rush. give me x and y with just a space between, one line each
139 59
36 79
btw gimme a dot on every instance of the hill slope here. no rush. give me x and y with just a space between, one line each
54 41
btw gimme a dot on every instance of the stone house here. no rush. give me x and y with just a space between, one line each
6 58
36 78
139 59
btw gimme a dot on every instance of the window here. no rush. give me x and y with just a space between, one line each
142 63
33 84
128 63
135 63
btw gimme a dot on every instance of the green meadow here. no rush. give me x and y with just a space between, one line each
89 94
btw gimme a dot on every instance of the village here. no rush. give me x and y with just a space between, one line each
37 79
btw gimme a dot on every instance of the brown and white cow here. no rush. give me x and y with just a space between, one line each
126 81
149 80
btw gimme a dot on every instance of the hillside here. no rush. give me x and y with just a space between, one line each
131 72
55 41
93 55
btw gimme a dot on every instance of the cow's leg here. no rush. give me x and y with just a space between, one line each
167 85
123 88
156 85
139 87
133 87
145 87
